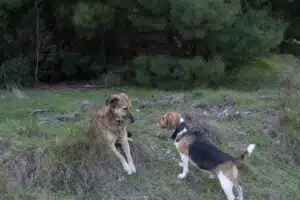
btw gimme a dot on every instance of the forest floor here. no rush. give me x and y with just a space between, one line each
44 152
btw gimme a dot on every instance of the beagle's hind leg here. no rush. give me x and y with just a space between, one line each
185 166
239 190
226 185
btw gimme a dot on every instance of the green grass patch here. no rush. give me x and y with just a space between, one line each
268 174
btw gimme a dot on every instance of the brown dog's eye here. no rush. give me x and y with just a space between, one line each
126 108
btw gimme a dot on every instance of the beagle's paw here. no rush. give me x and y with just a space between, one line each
181 176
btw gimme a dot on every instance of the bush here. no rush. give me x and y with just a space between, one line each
200 72
141 70
15 71
197 19
111 32
78 66
3 180
289 84
88 16
289 100
165 70
112 79
252 36
262 72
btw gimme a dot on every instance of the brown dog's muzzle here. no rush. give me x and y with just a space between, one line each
129 119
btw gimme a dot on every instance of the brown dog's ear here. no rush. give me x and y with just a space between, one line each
112 100
125 94
126 98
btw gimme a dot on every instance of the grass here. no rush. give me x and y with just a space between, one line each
73 169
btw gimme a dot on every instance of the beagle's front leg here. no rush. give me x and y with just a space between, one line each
185 166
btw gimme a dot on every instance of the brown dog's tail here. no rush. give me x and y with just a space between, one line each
244 155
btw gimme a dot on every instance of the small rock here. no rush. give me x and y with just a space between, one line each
84 105
271 195
272 128
245 113
4 144
75 117
163 101
4 154
205 113
36 111
228 100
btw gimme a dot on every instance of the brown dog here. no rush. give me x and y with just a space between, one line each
111 121
204 155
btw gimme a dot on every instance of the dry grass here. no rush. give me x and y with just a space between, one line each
289 101
3 180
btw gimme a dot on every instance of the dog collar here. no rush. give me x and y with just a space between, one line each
179 129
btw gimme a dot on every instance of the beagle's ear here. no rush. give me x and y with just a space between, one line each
170 120
112 100
163 122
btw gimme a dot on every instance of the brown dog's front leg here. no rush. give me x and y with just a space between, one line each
125 165
126 148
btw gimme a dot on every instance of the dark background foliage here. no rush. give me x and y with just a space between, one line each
139 41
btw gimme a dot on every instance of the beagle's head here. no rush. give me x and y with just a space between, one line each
169 121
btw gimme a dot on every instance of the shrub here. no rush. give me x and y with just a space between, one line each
3 180
215 70
252 36
88 16
15 71
200 72
168 71
77 65
112 79
262 72
141 70
289 100
197 19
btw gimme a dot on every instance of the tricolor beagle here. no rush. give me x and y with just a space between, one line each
204 155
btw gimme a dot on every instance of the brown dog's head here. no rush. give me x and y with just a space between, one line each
169 121
120 105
